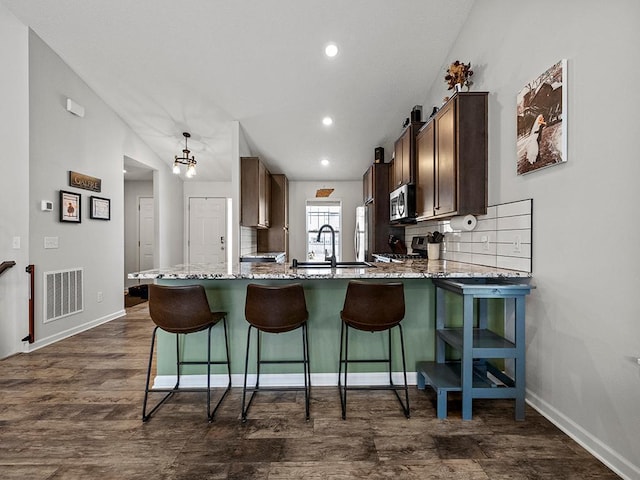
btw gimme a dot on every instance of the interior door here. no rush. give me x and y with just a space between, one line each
145 233
207 230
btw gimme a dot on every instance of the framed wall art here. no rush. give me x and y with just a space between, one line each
70 207
99 208
542 120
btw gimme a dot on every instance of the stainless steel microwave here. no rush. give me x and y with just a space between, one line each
402 204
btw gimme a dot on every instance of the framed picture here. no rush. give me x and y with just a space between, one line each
70 207
542 121
99 208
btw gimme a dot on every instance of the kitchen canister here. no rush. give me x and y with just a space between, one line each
433 251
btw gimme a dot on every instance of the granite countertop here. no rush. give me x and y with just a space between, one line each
263 255
283 271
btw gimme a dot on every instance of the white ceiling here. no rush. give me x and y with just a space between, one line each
168 66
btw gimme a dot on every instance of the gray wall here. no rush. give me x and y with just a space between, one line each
583 328
14 182
94 145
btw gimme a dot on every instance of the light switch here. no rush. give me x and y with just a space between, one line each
50 242
16 243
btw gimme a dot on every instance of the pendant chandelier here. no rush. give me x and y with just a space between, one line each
190 162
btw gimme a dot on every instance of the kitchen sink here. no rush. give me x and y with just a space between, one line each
296 264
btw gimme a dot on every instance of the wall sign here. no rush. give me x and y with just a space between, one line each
86 182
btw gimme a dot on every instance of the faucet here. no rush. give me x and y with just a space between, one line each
332 258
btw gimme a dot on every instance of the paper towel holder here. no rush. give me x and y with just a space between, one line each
463 222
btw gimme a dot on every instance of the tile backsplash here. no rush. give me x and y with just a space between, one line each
248 240
501 238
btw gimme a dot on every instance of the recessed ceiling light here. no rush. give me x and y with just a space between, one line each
324 162
327 121
331 50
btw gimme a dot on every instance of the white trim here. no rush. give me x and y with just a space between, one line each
30 347
283 380
227 212
612 459
332 202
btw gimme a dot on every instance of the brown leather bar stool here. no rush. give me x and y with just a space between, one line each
372 307
276 309
183 310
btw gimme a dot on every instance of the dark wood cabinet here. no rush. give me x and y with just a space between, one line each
367 185
425 153
452 155
255 187
404 154
276 237
376 181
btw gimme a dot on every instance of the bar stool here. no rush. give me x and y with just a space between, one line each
183 310
276 309
372 307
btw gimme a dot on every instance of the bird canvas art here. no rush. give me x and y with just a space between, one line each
532 152
542 121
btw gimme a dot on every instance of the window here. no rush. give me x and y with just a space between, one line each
322 212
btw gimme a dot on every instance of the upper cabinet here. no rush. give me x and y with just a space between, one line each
368 185
255 193
375 183
276 237
404 154
452 154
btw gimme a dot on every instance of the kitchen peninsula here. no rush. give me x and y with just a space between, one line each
324 290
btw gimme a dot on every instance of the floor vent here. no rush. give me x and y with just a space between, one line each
63 292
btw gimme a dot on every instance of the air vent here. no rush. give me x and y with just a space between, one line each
63 292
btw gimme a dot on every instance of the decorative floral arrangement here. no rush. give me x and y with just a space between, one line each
458 72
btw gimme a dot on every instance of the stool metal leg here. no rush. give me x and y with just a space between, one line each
179 363
244 388
211 413
209 374
146 416
344 334
343 386
405 406
307 369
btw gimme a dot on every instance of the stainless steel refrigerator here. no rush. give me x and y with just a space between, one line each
362 234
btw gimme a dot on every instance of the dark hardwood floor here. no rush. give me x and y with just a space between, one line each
72 411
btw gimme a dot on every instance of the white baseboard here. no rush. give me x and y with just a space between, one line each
616 462
43 342
283 380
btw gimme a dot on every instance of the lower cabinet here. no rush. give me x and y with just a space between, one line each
474 374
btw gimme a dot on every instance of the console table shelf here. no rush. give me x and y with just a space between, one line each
473 375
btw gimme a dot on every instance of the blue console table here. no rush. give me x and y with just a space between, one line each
473 375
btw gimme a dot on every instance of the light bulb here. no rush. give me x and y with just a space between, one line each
191 171
331 50
176 169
